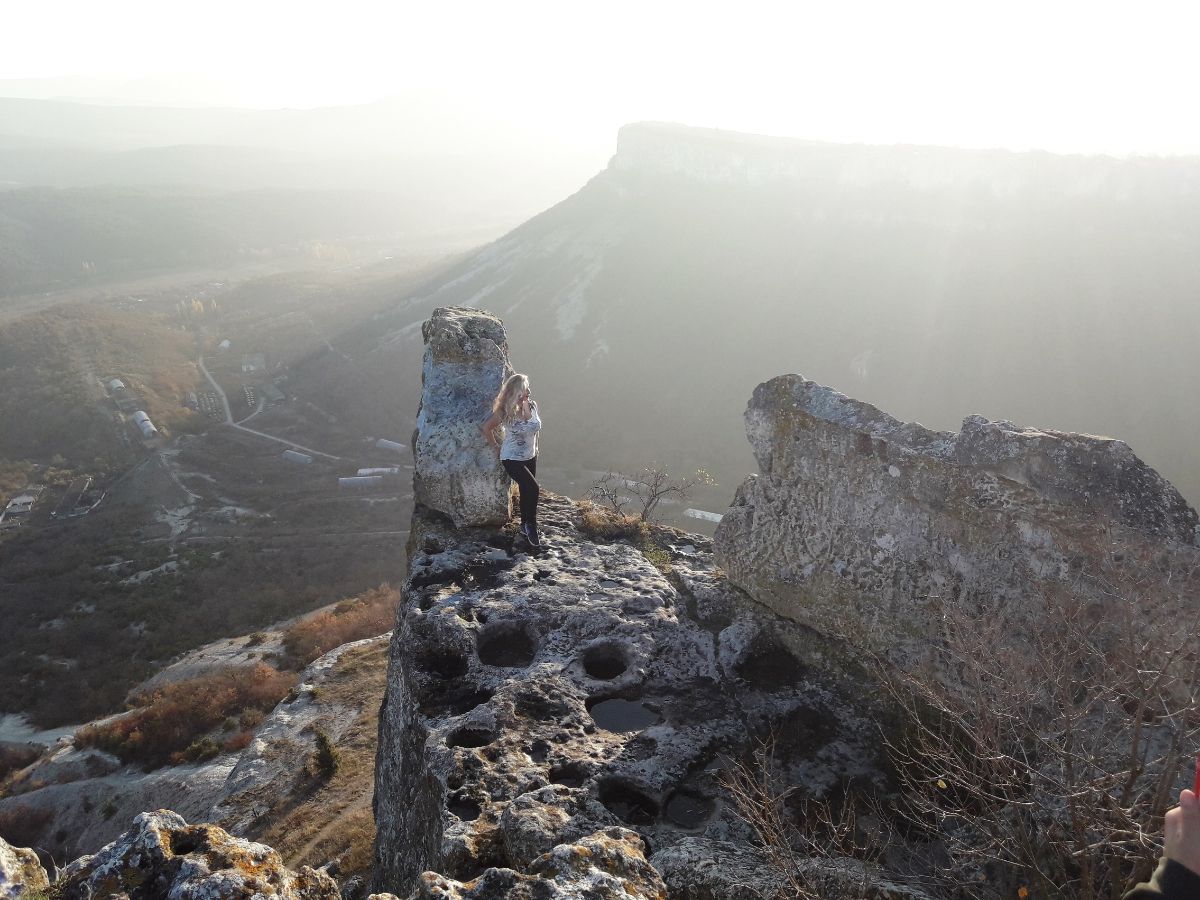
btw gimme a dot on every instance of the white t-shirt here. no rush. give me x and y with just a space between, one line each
521 437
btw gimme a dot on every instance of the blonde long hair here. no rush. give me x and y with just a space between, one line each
506 404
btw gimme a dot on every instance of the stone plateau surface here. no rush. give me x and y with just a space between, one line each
867 528
456 473
567 700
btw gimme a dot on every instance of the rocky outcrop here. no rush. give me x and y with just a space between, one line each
466 361
20 872
548 715
163 856
85 797
274 767
866 528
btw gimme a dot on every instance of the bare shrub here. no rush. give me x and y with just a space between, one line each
327 759
790 839
235 743
23 826
644 491
369 614
17 756
1045 763
169 727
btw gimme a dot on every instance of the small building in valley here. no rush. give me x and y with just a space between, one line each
360 481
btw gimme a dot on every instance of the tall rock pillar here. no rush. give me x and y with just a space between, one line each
466 361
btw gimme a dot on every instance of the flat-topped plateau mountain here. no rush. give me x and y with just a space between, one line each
1057 291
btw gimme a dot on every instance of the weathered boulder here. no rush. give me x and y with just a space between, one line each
866 528
163 856
456 473
20 872
534 701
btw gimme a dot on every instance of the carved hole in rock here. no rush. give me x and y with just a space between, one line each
804 731
605 661
540 751
187 841
768 665
484 856
443 663
464 807
688 809
470 736
628 803
455 703
569 774
505 645
433 576
622 716
480 575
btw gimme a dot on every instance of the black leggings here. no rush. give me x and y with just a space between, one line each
522 471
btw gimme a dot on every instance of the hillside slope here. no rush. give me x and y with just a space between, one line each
938 283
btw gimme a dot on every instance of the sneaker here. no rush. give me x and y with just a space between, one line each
531 535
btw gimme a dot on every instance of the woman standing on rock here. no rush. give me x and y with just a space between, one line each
518 415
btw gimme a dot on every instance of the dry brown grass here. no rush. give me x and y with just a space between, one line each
176 715
371 613
604 524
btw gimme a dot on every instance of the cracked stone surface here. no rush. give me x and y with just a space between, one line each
866 528
163 856
456 473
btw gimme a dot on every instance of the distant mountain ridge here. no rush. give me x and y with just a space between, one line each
459 160
940 283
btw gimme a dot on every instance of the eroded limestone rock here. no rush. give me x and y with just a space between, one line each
866 528
20 872
456 473
534 701
163 856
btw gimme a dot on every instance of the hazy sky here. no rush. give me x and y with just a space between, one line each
1066 76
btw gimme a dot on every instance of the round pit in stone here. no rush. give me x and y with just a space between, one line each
605 661
506 645
768 666
623 716
628 803
442 664
569 775
688 809
470 736
465 808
